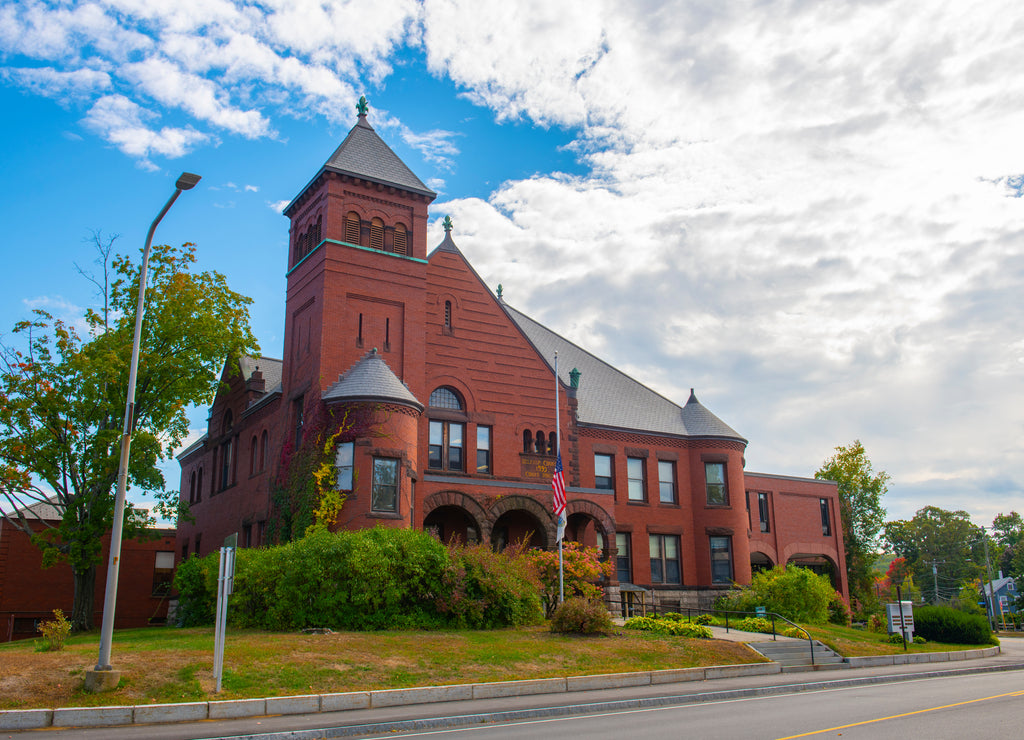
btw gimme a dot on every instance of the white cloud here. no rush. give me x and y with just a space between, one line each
53 83
122 122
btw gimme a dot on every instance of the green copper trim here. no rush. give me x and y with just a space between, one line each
354 246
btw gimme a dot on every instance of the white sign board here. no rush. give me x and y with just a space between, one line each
901 622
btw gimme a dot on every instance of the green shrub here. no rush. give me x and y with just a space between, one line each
838 611
673 616
796 593
582 572
669 627
581 616
703 619
876 623
196 582
56 631
793 632
918 640
484 589
944 624
754 624
896 638
367 579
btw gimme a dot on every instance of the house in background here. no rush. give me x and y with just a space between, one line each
1002 595
29 592
455 390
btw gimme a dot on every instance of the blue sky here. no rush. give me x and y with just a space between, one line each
809 212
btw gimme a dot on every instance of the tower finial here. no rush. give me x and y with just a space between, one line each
362 107
447 223
499 291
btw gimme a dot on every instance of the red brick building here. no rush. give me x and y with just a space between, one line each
459 388
29 592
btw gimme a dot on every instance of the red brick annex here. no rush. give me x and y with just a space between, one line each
455 390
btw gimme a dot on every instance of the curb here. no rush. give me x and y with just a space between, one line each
31 719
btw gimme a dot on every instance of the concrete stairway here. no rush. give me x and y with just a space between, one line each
795 655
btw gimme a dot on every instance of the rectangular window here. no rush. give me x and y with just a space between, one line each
714 475
163 573
343 463
445 446
225 461
635 476
603 472
762 511
721 559
246 535
483 449
666 481
623 568
826 520
384 495
664 558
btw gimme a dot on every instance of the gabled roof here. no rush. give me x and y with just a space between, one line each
608 397
270 367
370 379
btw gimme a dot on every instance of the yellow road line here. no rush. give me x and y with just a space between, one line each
906 714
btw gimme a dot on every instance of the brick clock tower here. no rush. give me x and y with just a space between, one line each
365 287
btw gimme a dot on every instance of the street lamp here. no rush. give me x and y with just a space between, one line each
103 677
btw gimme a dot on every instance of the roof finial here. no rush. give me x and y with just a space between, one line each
447 224
499 291
362 107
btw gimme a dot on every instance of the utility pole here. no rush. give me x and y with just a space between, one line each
988 586
935 576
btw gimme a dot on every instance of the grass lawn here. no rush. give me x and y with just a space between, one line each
163 665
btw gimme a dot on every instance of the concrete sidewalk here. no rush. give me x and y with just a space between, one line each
544 691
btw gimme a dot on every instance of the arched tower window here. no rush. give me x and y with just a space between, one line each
527 441
352 227
447 314
401 240
377 234
445 398
541 446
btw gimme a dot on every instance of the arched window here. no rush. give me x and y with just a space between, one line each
252 456
401 243
447 314
228 421
263 450
446 443
192 488
199 486
352 228
552 444
541 446
445 398
225 452
377 234
527 441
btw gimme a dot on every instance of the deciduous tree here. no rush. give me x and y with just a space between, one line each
62 399
860 501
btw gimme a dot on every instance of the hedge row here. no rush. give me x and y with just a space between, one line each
364 580
944 624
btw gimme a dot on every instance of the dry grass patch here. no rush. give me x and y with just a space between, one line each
162 665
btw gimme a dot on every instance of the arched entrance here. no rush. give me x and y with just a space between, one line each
759 561
452 524
515 527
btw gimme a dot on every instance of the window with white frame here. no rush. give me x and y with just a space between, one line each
667 481
344 458
635 478
603 477
384 492
714 476
664 550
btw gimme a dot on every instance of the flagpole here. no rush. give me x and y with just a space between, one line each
558 453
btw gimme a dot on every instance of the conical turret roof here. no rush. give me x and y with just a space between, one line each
370 379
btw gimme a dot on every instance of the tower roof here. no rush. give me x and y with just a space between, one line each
370 379
364 154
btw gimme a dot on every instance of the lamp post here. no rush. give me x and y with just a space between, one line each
103 677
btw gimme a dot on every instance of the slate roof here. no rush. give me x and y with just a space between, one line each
370 379
270 368
364 154
608 397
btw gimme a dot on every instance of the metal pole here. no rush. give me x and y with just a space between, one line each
558 451
988 591
186 182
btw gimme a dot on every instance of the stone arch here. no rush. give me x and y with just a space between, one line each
530 505
457 499
760 560
588 511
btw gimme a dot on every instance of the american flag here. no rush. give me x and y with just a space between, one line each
558 484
